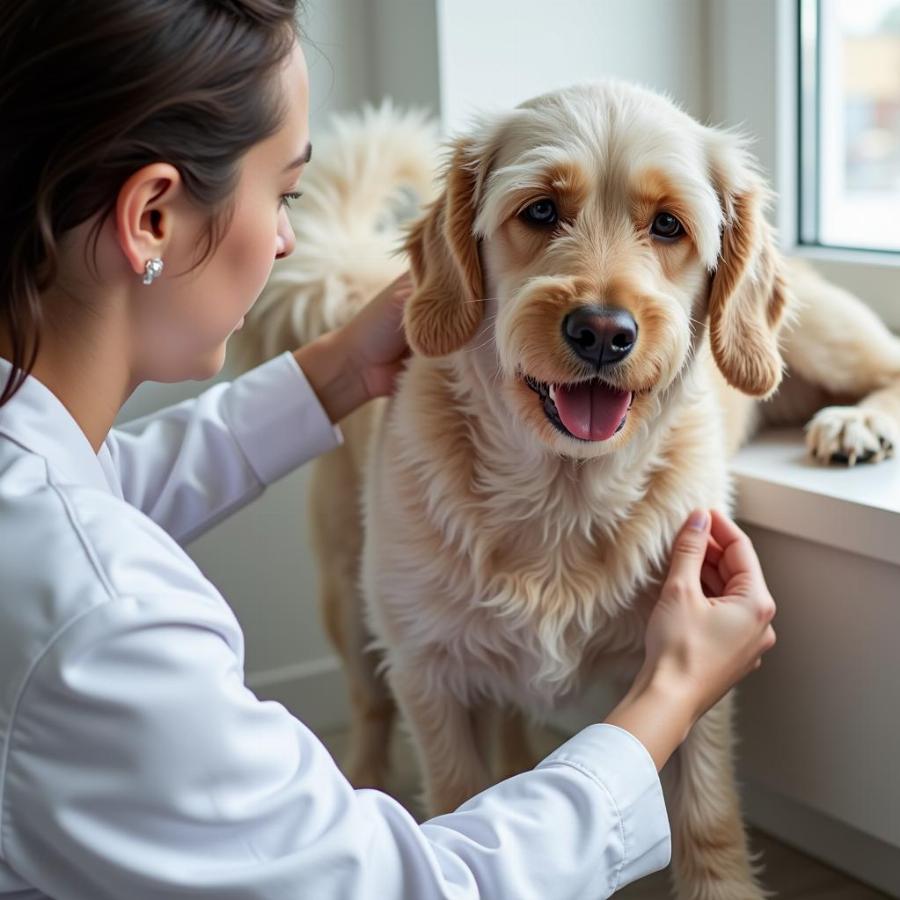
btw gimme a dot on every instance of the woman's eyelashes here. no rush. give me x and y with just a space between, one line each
289 196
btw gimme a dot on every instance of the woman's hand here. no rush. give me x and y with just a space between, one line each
708 638
709 628
362 359
375 340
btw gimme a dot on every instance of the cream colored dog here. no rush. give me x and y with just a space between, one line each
595 269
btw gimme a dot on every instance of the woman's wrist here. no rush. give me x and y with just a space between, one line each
659 711
334 377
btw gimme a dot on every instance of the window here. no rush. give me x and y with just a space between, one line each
850 124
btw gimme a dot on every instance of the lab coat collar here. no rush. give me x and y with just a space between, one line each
37 420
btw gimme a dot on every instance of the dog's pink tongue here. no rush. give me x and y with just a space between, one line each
591 411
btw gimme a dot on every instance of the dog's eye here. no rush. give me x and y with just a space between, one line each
541 212
666 226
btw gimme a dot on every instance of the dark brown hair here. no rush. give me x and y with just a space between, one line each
93 90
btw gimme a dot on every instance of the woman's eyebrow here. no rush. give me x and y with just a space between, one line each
302 159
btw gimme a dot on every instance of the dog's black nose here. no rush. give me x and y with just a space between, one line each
600 335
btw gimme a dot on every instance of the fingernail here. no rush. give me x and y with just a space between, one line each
698 519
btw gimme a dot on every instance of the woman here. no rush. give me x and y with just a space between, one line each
148 150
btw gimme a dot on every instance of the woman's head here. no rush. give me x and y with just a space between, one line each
140 128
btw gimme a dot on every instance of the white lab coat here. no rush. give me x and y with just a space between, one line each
134 762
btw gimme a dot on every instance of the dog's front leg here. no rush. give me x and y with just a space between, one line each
839 347
452 765
711 860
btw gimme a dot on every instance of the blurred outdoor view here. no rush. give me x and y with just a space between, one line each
859 127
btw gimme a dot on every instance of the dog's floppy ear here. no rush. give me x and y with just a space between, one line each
748 296
445 309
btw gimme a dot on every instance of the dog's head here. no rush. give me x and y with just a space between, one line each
583 240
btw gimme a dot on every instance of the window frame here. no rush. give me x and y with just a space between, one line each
754 70
810 85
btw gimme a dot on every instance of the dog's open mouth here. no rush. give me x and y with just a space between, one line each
587 411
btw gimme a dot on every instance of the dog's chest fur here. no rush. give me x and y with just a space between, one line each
511 572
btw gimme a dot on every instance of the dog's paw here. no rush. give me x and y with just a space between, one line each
850 435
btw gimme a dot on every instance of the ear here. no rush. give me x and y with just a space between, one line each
748 296
445 309
144 213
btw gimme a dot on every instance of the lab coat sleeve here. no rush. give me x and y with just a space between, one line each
189 466
140 766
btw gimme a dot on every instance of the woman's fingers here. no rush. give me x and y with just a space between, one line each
713 552
712 580
724 530
738 555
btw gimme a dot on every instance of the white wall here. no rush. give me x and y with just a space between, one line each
339 55
498 53
404 51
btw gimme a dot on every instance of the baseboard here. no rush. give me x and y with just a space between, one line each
315 692
838 845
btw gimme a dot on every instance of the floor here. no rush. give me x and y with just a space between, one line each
788 875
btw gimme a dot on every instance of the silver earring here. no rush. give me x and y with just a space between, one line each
152 270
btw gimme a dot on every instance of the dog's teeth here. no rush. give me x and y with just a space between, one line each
553 392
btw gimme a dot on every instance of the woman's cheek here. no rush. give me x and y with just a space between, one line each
252 255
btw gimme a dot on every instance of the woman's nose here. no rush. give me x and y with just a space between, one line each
286 241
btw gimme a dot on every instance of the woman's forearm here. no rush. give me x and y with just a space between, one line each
337 382
658 713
